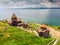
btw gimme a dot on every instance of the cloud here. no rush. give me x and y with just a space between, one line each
24 3
17 3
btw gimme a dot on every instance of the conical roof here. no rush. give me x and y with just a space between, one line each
14 15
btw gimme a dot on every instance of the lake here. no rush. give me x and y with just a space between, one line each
46 16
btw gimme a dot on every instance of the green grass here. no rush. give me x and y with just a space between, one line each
56 27
3 24
16 36
58 43
19 37
33 26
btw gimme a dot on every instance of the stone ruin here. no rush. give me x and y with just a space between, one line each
17 22
43 31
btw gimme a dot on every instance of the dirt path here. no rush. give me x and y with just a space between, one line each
54 33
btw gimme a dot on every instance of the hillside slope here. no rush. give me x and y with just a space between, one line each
15 36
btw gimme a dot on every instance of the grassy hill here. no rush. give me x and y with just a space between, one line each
56 27
58 43
10 35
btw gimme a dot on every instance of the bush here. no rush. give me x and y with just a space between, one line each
58 27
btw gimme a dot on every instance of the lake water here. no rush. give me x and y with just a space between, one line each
46 16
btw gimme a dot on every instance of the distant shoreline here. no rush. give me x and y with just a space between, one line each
40 8
35 8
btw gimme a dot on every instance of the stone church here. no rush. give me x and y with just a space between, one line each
17 22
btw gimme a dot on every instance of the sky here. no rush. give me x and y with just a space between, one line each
28 3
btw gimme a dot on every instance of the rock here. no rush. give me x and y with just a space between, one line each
25 26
